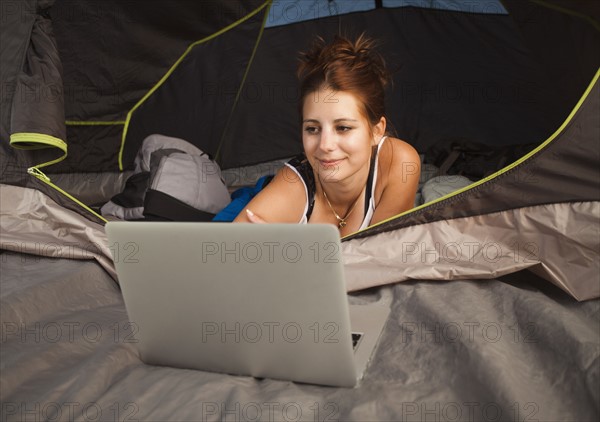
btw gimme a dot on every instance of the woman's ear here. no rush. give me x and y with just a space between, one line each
379 130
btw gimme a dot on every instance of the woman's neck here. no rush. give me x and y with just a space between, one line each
344 193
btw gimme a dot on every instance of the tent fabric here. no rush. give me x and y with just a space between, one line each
103 81
26 92
491 7
292 11
38 104
37 114
287 12
514 348
559 242
442 91
199 112
462 89
32 223
563 169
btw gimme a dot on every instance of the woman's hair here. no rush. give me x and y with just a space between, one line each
349 66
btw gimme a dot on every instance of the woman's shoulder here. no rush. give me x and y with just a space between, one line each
398 179
300 166
290 177
282 199
395 152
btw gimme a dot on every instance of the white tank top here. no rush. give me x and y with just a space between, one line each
371 207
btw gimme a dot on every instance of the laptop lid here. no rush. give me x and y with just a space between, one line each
261 300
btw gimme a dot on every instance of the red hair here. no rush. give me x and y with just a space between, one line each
349 66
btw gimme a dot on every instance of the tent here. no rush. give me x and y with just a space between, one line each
514 82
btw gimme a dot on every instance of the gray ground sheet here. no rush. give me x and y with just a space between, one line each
515 349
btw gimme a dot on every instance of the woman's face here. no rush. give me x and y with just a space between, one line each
336 136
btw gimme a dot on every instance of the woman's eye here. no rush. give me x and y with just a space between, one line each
311 129
343 128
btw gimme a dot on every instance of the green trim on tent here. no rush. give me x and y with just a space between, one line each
590 20
242 83
172 69
32 141
34 171
93 123
501 171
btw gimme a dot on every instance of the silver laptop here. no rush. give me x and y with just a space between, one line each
265 300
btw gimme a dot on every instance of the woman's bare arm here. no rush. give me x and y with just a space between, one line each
281 201
400 170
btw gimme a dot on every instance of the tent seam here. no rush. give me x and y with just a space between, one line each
566 11
46 180
169 72
360 235
243 81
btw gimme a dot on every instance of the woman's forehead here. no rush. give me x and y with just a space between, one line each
329 104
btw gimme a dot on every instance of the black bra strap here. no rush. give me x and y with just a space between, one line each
301 164
369 190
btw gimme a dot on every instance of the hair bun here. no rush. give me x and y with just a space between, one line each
359 55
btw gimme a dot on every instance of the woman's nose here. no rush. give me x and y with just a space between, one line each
327 141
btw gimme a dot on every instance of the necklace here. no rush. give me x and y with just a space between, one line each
341 220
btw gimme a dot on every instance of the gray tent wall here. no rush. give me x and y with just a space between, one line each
539 214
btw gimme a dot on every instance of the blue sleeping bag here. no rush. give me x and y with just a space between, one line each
240 198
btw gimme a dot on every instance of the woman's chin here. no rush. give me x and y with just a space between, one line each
329 175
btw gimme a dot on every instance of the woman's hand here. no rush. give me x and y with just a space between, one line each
254 218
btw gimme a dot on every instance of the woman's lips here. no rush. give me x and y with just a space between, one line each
330 163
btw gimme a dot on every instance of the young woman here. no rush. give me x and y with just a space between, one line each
353 175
